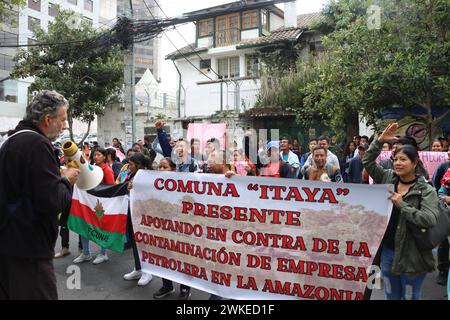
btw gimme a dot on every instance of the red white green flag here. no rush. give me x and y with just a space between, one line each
100 215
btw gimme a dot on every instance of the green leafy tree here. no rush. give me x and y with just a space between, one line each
160 116
403 60
88 77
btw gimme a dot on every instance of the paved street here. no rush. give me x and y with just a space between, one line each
104 281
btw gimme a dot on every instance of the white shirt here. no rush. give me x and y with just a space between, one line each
331 160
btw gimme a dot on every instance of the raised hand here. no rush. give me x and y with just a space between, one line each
388 134
159 124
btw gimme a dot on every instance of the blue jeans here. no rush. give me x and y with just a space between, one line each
85 243
448 286
399 287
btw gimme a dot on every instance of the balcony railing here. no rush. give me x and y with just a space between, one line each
227 37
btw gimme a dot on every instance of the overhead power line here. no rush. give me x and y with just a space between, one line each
127 31
175 28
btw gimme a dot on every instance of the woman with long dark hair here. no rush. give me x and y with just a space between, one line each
136 162
113 161
403 264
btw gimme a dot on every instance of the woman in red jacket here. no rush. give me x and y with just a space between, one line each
108 178
100 161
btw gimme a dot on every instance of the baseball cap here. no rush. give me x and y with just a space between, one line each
275 144
363 146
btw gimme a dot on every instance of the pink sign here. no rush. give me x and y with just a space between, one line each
206 131
430 159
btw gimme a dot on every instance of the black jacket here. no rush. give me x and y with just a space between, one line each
32 194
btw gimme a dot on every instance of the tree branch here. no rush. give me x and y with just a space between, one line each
441 117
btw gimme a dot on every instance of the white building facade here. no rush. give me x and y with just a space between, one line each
226 76
14 93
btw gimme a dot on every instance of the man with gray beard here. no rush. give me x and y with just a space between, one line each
33 191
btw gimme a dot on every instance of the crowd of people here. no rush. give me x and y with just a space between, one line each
415 197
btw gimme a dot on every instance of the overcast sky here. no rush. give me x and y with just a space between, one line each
177 7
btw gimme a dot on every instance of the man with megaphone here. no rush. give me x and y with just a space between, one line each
33 191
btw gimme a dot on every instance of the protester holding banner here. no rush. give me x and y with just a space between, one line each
241 165
332 159
321 170
276 167
136 162
167 164
182 158
403 264
32 194
108 178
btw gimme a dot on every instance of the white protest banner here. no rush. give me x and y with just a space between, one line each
259 238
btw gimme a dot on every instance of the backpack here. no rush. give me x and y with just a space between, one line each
428 239
3 140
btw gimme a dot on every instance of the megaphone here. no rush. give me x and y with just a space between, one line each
90 176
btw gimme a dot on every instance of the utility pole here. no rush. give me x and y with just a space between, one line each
129 79
133 99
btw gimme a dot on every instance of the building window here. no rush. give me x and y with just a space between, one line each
89 5
250 20
265 20
52 9
252 64
205 64
34 4
228 67
8 91
227 30
143 61
33 23
222 67
205 27
88 21
8 38
74 2
6 62
143 51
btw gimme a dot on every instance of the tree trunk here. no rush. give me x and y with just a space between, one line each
352 126
70 120
87 132
429 121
